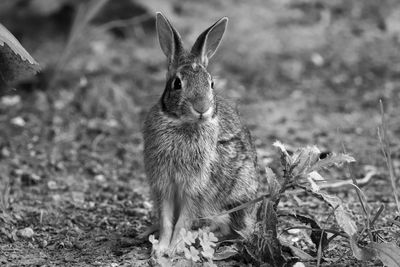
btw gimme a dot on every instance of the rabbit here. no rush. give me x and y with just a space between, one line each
199 158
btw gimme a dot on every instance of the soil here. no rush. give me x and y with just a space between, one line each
72 182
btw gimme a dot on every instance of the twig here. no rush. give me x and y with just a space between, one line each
123 22
362 181
84 14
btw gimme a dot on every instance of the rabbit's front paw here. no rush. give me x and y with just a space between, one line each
161 250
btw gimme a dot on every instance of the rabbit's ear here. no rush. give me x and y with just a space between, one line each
169 38
208 42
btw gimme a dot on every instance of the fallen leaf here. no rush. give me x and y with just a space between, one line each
16 62
225 252
388 253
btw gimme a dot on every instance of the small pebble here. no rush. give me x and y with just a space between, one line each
100 178
26 232
147 205
52 185
43 243
18 121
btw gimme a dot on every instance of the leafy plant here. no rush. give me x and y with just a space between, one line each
301 170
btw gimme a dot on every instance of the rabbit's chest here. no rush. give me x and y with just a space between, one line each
185 162
187 158
179 157
185 168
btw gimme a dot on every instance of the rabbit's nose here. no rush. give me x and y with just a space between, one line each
202 105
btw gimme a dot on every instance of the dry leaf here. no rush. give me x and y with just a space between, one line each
388 253
16 62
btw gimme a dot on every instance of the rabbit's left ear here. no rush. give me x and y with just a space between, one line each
169 38
208 42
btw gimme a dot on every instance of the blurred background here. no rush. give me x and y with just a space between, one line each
301 71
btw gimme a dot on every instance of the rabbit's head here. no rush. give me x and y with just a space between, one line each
188 94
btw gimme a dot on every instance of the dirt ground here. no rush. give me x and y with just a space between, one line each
72 182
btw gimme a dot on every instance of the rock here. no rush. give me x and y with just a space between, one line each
43 243
100 178
26 232
29 179
18 121
52 185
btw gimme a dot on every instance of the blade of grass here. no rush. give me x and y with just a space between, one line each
378 213
319 251
240 207
364 205
385 147
123 22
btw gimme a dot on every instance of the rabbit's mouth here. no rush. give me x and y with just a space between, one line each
201 116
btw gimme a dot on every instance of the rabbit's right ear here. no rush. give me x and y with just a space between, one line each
208 42
169 38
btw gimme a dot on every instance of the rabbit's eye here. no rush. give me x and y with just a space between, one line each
212 84
177 84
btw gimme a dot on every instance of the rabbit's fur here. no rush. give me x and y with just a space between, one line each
199 158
